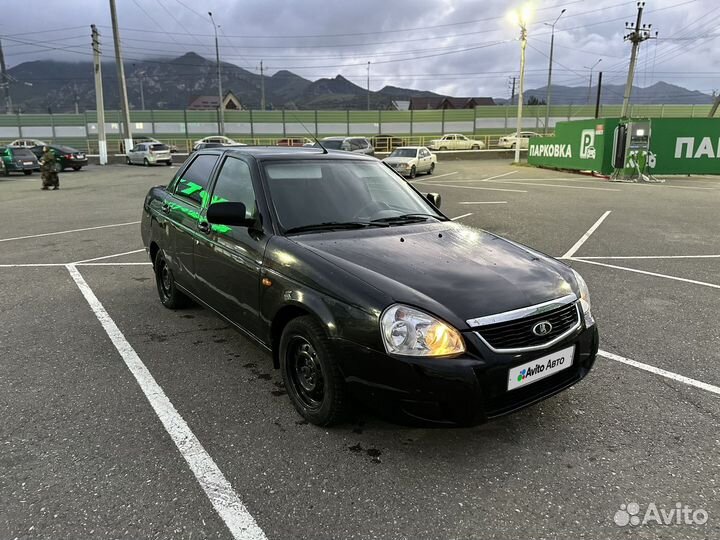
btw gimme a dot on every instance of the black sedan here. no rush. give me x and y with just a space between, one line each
361 288
68 158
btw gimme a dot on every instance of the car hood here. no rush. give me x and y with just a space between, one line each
454 271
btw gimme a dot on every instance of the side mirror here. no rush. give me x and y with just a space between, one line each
434 198
229 213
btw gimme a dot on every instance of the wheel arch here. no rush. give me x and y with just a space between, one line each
293 310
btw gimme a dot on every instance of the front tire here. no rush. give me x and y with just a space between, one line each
310 372
413 172
475 147
443 148
168 163
27 173
76 168
146 162
170 296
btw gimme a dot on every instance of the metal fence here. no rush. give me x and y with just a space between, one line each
182 127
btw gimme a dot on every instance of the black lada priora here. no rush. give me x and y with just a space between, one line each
361 288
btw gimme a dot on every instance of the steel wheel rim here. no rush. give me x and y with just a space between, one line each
165 279
305 372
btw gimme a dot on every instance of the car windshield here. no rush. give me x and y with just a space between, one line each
404 152
332 144
316 192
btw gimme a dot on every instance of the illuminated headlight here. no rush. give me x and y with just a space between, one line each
584 299
410 332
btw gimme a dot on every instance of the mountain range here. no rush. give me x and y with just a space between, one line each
171 84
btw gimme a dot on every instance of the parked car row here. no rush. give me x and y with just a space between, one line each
23 158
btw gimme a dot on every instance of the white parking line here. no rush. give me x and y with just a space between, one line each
552 185
462 216
216 487
570 252
476 187
68 232
499 176
653 257
655 274
109 256
441 175
662 372
31 265
483 202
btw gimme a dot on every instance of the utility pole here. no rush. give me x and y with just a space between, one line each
597 101
221 109
714 107
142 91
99 104
521 19
121 78
512 92
591 68
368 86
5 82
636 36
262 87
75 93
549 83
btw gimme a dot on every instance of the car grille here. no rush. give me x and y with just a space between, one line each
518 334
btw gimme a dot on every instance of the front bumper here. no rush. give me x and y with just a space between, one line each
466 390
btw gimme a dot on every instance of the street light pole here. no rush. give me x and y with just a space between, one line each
549 83
521 18
591 68
221 109
368 85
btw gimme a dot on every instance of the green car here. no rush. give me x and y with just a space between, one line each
18 160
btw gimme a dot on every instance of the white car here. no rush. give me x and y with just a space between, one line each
411 160
455 141
27 143
511 141
225 141
149 154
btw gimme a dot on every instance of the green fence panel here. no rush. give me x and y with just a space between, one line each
685 145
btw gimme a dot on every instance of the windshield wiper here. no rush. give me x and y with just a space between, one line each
332 225
405 218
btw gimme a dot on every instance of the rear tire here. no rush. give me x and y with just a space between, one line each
27 173
475 147
310 372
431 169
146 162
168 163
76 168
443 148
127 160
170 296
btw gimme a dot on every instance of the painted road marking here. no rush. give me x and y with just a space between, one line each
499 176
109 256
652 257
645 272
483 202
552 185
584 237
218 490
462 216
476 187
70 231
662 372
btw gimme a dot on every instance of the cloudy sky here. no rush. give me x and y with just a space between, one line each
456 47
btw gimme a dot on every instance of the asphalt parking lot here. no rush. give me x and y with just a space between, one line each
84 454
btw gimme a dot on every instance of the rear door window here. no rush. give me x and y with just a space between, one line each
194 181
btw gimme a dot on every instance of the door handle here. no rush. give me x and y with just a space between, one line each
165 207
204 226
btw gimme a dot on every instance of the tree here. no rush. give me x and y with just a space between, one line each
535 101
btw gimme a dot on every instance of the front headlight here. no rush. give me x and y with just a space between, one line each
410 332
584 299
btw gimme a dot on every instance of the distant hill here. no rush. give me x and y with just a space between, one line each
169 84
611 94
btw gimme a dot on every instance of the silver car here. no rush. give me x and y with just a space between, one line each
358 145
149 154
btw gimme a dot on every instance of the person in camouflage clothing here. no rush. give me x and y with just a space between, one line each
48 169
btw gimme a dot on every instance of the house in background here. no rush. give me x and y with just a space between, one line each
427 103
210 103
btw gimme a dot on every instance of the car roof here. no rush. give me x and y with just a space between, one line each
409 147
284 152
